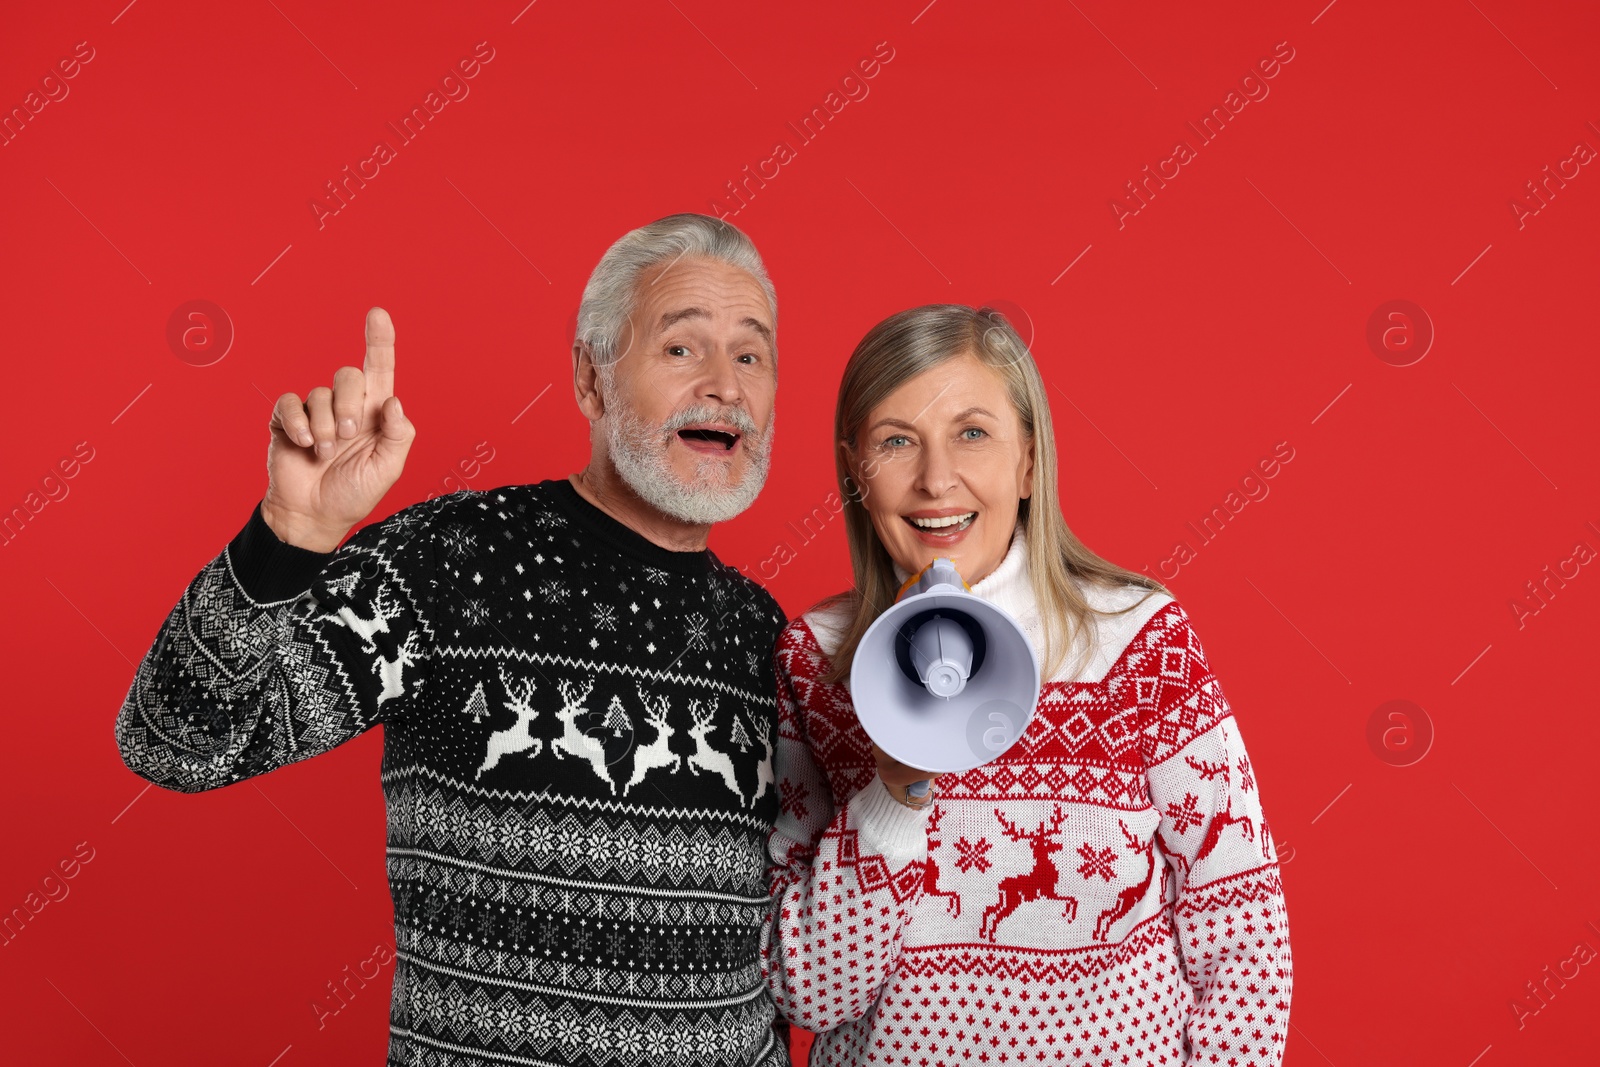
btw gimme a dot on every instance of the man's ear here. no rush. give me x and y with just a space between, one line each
586 382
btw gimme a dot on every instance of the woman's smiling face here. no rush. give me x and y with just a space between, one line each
942 464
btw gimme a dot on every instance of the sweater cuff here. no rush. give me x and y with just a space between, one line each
270 570
896 832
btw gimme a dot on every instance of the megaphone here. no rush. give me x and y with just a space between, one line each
944 680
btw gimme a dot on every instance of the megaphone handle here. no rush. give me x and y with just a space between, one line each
918 794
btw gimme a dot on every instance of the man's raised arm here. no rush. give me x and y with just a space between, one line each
285 645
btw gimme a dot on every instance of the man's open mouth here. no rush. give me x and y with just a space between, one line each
701 438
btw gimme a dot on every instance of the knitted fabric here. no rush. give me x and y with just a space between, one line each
577 744
1104 893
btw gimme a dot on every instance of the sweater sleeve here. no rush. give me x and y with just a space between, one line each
275 654
845 876
1232 926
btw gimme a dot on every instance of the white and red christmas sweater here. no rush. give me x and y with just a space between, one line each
1105 893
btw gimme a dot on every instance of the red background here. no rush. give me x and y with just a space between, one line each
1226 316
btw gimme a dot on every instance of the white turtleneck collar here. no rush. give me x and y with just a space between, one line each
1008 586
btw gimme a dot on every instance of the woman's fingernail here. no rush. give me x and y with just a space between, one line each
347 427
919 789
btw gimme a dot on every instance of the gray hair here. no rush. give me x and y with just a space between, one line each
610 296
895 351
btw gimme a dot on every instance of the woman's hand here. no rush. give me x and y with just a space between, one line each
897 776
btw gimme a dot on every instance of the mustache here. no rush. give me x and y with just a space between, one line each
736 417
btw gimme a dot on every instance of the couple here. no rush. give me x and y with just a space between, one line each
621 829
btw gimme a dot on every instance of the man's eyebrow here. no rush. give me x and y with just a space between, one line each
672 318
759 327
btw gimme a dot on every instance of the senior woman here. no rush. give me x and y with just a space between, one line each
1107 890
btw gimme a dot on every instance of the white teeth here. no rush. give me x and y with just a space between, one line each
948 520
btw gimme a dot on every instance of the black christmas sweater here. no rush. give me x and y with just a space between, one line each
577 763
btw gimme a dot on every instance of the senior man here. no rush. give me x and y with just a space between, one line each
577 695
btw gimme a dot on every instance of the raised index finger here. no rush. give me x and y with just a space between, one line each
379 365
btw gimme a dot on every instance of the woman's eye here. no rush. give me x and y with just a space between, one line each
972 433
676 350
897 441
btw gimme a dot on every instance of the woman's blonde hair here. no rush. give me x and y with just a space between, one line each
892 353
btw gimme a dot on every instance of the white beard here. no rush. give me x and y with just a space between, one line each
639 453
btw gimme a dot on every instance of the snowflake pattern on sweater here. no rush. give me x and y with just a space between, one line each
1106 893
578 797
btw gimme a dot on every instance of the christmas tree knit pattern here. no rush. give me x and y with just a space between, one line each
1104 894
578 789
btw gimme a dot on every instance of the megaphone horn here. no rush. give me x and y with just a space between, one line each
944 680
